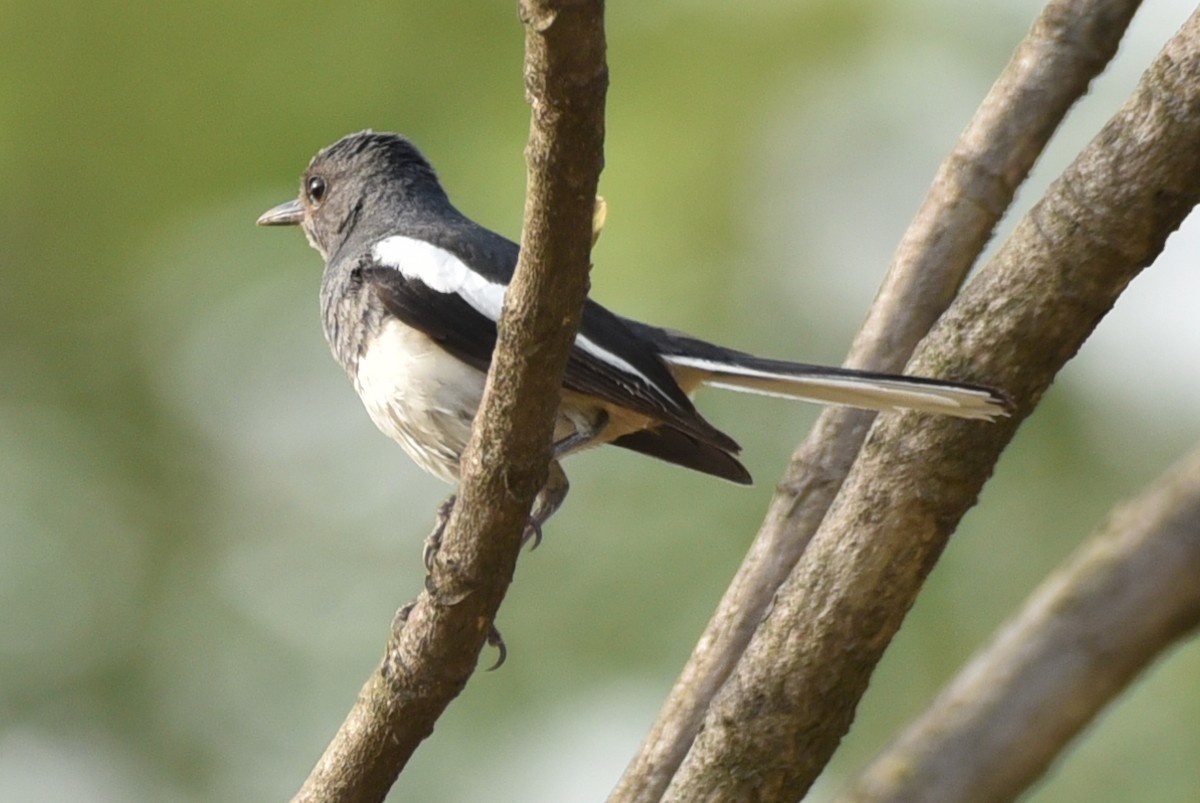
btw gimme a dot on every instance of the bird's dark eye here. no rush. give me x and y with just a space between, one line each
315 188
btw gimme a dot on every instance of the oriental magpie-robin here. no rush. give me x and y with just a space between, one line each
411 295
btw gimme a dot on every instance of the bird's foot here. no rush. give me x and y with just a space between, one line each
548 500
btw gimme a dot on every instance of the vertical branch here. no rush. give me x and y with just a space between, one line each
1069 44
431 656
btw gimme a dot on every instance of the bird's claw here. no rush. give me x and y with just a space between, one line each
494 639
532 534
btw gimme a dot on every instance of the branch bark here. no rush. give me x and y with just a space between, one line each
783 710
430 657
1069 44
1119 602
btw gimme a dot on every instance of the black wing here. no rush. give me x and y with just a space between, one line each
446 318
470 335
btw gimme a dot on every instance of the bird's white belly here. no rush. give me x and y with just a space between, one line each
420 396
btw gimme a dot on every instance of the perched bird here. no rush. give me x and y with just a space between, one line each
411 295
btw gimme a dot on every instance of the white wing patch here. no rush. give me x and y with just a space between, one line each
444 272
440 270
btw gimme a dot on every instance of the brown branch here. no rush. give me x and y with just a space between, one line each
1070 43
430 658
791 698
1125 597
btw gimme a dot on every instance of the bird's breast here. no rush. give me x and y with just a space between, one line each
419 395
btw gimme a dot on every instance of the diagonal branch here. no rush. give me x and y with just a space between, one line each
430 658
778 718
1126 596
1069 44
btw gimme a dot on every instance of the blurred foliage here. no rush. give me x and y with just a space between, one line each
203 540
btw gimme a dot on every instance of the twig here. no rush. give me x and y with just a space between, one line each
430 658
791 698
1070 43
1119 602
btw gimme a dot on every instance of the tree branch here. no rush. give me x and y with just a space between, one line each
1119 602
783 710
430 658
1069 44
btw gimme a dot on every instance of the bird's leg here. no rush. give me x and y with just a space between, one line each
547 501
551 497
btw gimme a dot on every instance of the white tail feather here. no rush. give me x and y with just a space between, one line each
873 393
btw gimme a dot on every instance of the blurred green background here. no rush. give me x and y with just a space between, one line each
202 537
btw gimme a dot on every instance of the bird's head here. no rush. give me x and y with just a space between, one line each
363 185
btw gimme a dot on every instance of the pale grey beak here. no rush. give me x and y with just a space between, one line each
286 214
